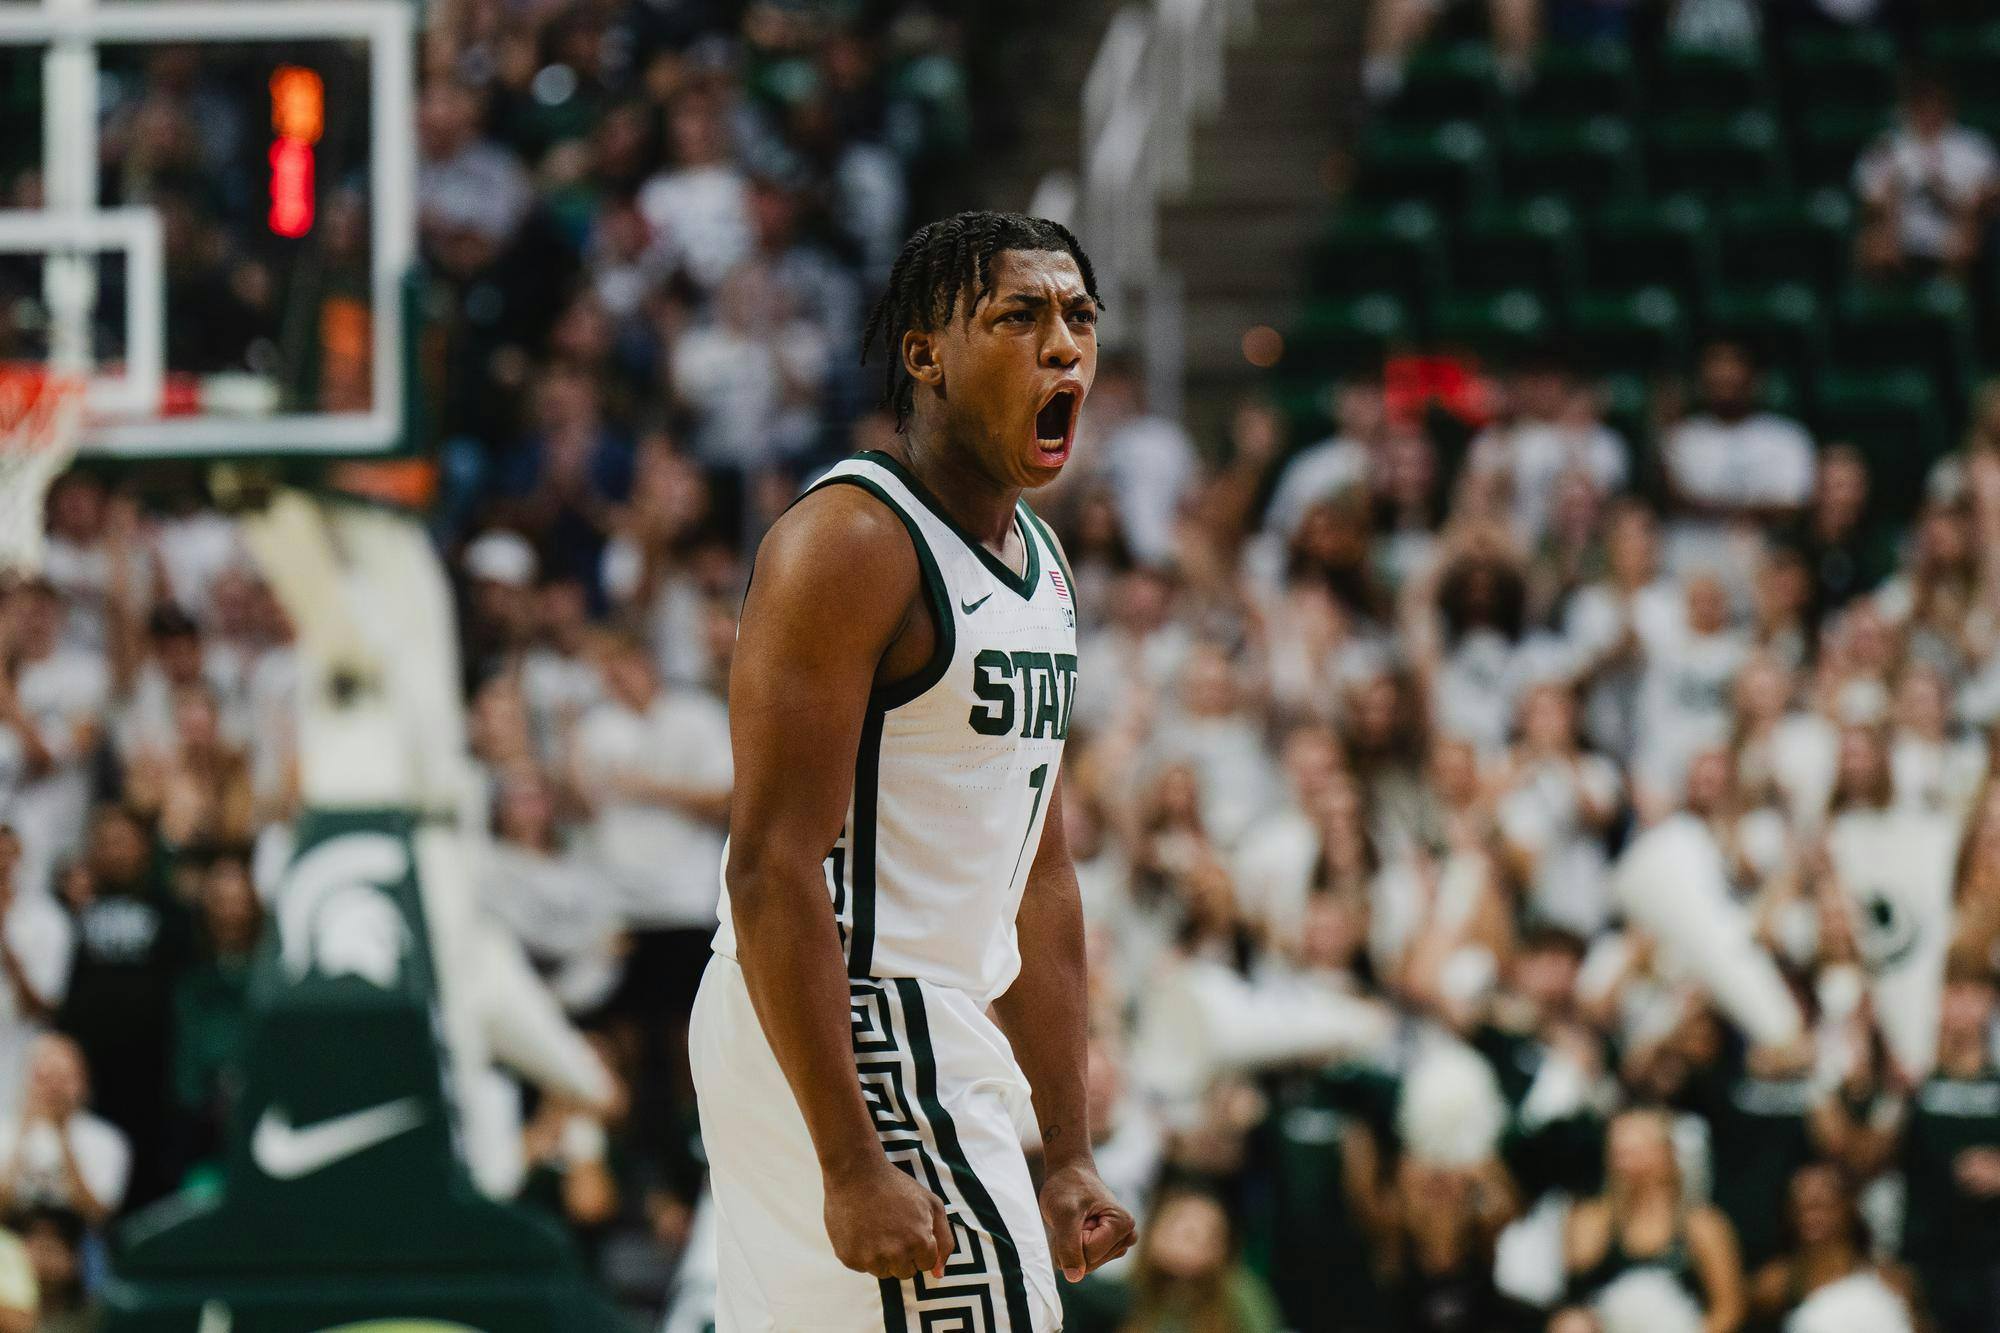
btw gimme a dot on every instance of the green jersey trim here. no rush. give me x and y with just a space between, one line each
868 756
1022 584
970 1187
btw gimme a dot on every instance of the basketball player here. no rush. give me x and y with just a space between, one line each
898 980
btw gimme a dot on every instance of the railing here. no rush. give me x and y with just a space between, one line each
1157 70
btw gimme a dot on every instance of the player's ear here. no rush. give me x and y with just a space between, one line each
920 358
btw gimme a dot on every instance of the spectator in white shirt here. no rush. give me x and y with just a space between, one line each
55 1152
700 209
462 180
55 711
36 942
752 374
1733 469
1149 460
557 905
654 766
1557 801
1555 429
1685 700
1929 186
1333 467
177 661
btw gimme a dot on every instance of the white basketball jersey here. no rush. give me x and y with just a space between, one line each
957 764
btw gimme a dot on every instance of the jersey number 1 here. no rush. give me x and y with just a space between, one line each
1035 780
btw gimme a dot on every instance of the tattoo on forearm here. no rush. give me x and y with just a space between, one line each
1050 1133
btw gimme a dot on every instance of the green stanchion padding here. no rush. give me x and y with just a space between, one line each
344 1203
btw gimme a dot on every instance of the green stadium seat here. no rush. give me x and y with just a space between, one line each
1717 156
1456 81
1770 241
1831 141
1630 247
1340 338
1306 404
1779 392
1894 418
1968 54
1646 330
1627 399
1581 161
1709 81
1530 246
1841 68
1399 249
1577 80
1982 112
1782 324
1925 328
1448 166
1498 325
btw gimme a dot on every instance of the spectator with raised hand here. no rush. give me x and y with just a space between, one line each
1463 624
177 659
1553 428
1928 186
1684 699
53 1151
1556 804
54 709
197 790
1614 624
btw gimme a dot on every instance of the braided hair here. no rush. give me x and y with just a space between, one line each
941 261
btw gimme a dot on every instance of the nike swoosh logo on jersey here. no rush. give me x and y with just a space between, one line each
285 1153
970 607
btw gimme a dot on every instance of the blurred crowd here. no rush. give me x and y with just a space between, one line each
1366 726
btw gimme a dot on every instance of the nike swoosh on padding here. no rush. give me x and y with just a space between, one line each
285 1153
970 607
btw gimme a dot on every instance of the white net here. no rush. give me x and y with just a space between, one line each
41 414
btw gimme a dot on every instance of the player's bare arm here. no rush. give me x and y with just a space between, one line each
833 611
1045 1015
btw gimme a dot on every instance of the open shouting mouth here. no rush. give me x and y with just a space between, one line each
1055 425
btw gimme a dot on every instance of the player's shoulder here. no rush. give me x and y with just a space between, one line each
839 537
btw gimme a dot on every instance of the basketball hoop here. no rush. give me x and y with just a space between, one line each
41 415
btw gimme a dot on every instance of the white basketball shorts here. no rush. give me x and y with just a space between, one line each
947 1098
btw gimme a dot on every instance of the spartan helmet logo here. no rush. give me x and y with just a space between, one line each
334 917
1886 931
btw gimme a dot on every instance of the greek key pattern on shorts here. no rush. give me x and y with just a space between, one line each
982 1290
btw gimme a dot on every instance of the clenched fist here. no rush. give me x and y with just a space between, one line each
883 1223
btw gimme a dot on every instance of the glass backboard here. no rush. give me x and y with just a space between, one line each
209 210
